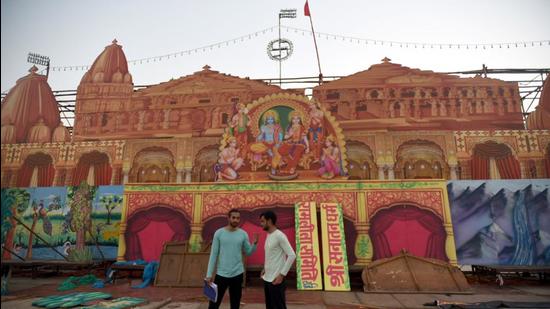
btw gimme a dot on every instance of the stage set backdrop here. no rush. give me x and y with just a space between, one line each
380 218
80 222
503 222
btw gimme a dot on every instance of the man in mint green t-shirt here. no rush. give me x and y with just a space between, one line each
226 255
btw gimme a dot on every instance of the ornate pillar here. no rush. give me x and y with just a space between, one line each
188 174
179 175
380 173
69 176
363 245
8 177
452 170
115 176
122 230
466 172
57 176
541 171
188 166
524 170
391 173
125 172
453 164
195 240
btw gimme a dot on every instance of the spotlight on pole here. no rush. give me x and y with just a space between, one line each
40 60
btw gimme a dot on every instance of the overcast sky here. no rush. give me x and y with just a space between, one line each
74 32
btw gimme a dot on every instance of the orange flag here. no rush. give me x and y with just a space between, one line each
306 9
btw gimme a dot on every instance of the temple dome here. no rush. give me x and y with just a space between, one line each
61 134
28 101
109 67
540 118
40 133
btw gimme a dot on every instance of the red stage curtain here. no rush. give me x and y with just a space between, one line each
46 173
139 221
480 167
435 247
103 172
250 222
508 167
24 175
81 172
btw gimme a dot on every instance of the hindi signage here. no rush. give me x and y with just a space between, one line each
308 259
335 261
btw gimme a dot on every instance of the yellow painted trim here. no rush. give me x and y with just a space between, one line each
122 229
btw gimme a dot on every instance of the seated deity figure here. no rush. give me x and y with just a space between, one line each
315 131
229 161
294 145
267 141
330 159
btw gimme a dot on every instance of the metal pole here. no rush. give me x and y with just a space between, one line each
16 255
280 55
48 70
38 236
316 50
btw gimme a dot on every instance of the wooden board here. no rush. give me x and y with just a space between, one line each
182 269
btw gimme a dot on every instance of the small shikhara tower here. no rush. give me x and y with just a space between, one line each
105 89
30 113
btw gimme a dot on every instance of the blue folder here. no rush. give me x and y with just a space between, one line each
211 291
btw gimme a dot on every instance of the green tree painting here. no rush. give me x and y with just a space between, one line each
80 203
110 202
16 201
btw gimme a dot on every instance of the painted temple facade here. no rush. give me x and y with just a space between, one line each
203 143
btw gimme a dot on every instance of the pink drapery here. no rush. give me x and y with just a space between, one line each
508 167
81 172
480 167
46 173
177 222
102 174
383 220
24 175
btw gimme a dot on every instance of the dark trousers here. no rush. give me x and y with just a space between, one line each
275 295
235 291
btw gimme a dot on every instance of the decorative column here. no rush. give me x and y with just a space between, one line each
195 240
179 175
188 174
115 175
125 172
188 166
8 177
453 164
57 176
452 172
363 245
390 163
466 170
524 169
69 176
391 173
380 173
541 171
122 230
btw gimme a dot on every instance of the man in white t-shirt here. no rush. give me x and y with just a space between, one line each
279 257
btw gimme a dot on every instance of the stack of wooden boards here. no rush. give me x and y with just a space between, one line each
180 268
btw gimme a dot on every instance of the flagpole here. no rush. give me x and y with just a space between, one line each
280 61
316 49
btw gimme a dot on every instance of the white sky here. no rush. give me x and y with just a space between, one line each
74 32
